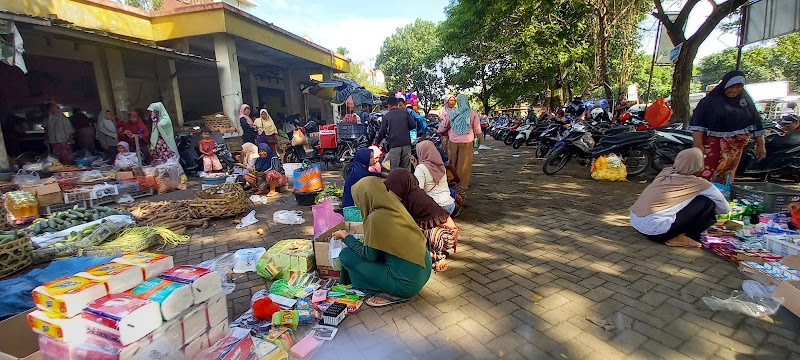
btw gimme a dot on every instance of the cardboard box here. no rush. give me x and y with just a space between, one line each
788 290
19 341
124 175
48 194
324 266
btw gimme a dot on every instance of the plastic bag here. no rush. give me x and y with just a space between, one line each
90 176
334 249
609 168
126 160
324 216
742 303
24 178
169 176
221 264
298 138
757 289
248 220
288 217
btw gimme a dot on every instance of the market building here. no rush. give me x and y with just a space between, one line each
198 57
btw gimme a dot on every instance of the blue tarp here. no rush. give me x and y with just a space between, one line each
15 293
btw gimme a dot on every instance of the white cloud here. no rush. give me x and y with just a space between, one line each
362 36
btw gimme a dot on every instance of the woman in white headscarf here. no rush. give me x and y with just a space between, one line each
107 133
267 132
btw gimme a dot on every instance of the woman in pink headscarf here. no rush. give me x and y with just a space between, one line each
449 105
248 126
376 154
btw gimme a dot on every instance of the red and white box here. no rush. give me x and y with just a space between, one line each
123 318
205 283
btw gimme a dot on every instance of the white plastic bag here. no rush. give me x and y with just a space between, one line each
248 220
126 160
334 249
221 264
24 178
288 217
742 303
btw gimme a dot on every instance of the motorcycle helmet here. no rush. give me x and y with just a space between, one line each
575 107
311 126
596 113
624 116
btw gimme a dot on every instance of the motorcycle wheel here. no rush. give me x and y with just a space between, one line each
637 160
666 160
556 161
518 143
290 157
509 139
532 141
542 150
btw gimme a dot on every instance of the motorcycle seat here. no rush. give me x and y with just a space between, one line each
616 130
626 137
792 138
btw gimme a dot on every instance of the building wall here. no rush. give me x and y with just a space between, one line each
200 96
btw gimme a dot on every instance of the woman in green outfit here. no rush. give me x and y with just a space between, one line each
393 259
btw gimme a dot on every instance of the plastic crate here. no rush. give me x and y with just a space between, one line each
100 191
77 195
774 197
146 182
350 131
141 193
61 207
127 186
781 247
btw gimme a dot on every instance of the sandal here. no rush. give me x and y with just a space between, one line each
384 299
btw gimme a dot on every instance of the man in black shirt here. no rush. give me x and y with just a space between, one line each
396 127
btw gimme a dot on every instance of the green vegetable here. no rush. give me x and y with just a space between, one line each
329 190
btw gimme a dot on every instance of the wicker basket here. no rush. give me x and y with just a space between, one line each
15 255
217 121
221 201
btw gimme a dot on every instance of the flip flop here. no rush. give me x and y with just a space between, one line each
392 300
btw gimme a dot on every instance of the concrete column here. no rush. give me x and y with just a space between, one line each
230 85
254 94
170 92
4 165
103 83
327 108
119 84
291 91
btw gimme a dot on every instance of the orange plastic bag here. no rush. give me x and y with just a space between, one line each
794 209
658 114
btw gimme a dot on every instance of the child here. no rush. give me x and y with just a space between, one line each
207 145
125 159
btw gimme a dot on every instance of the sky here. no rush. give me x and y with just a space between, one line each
362 25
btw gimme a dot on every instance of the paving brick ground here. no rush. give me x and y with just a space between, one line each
537 255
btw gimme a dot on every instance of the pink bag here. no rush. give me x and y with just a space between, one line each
324 217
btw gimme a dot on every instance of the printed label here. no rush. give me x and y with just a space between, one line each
185 274
156 289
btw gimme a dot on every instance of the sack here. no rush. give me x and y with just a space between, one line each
298 138
308 177
609 168
324 216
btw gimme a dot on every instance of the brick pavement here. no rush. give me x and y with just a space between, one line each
526 277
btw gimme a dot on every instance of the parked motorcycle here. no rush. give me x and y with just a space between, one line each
783 153
637 149
669 142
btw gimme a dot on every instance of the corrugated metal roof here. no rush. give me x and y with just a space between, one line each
61 24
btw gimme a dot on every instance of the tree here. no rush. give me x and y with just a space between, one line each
410 60
343 50
662 77
682 75
759 64
362 77
787 47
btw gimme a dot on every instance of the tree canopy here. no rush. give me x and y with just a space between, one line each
411 60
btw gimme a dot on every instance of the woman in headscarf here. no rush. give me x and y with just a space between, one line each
723 123
162 138
84 128
267 132
376 154
434 221
449 106
249 155
432 177
107 133
248 126
678 205
358 170
59 133
267 170
393 258
462 125
133 128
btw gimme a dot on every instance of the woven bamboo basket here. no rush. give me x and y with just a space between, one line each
221 201
15 255
217 121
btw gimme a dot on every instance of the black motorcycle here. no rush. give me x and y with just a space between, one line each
637 149
783 154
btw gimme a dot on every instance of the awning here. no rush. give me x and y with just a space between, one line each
59 27
345 88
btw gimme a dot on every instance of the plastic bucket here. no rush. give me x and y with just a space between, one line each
289 169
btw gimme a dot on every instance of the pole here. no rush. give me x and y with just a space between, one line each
652 66
742 19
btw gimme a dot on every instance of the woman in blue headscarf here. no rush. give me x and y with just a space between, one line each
267 170
358 170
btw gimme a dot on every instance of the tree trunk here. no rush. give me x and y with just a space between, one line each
682 83
603 52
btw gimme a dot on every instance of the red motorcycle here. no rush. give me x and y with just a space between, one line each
511 135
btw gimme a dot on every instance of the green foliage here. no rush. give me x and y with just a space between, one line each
343 50
777 62
146 4
362 77
410 59
662 78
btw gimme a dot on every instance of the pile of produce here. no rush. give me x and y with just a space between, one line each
329 190
173 215
78 235
7 236
62 220
138 238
